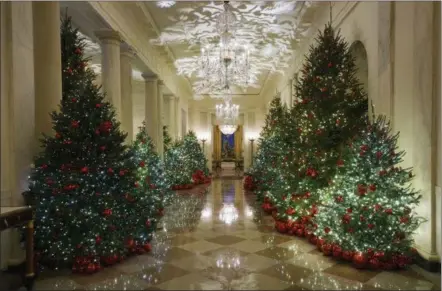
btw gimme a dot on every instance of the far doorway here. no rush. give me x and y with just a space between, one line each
228 160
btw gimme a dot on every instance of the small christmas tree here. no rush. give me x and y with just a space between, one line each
330 108
177 171
167 139
366 215
195 159
82 176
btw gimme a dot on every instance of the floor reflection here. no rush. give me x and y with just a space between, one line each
221 240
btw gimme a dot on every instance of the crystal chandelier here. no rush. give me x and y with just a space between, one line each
227 63
227 115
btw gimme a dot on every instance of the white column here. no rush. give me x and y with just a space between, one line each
290 92
160 117
179 132
151 88
110 67
172 116
17 114
47 63
127 55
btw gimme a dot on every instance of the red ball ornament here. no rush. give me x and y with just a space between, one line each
360 260
122 172
74 123
74 100
142 164
107 212
330 65
327 249
85 170
337 251
98 240
91 268
147 247
148 223
102 148
374 264
136 185
327 229
110 171
98 105
347 255
313 240
300 232
78 51
57 135
372 187
320 243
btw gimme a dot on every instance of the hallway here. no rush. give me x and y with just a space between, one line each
218 241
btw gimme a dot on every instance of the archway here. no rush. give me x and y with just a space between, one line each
357 49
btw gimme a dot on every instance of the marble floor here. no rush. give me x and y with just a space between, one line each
218 241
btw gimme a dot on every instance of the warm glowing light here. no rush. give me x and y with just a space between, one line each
228 214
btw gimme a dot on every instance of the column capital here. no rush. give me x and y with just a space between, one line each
160 82
127 51
108 36
149 77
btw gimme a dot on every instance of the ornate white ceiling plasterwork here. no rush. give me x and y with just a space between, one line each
271 30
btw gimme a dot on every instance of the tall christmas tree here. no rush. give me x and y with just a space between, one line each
83 173
330 108
366 215
264 170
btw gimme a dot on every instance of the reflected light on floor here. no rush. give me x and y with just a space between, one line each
228 213
248 211
206 213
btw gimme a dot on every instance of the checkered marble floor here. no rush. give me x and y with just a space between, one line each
219 241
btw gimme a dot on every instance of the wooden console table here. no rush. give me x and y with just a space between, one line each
11 217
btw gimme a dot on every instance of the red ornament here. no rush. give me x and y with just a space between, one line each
142 164
74 123
320 243
290 211
78 51
148 223
339 198
360 260
388 211
85 170
349 210
338 121
98 105
300 232
362 190
44 166
372 187
136 185
404 219
91 268
330 65
337 251
313 240
327 229
102 148
110 171
57 135
378 155
107 212
374 264
69 70
97 132
327 249
347 255
122 172
370 225
74 100
147 247
340 163
98 240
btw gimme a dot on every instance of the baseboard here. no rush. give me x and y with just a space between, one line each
430 266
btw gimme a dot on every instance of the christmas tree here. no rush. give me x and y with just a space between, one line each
195 159
167 139
366 215
264 170
330 108
177 171
81 179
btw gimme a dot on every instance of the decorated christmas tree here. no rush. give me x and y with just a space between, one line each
195 159
366 215
330 108
264 170
177 171
167 139
81 179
